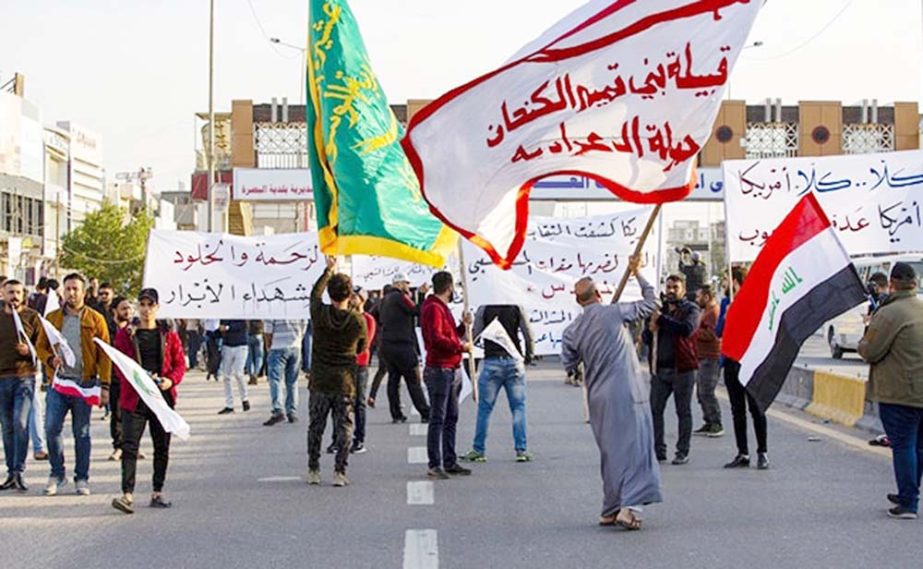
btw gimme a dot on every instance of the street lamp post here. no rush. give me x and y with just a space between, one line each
304 60
211 116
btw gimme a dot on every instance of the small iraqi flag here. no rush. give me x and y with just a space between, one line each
801 279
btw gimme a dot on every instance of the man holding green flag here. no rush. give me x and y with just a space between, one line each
367 196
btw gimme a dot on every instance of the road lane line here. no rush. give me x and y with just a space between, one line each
417 455
280 479
421 550
420 493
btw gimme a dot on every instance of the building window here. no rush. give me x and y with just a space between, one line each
868 138
281 145
771 140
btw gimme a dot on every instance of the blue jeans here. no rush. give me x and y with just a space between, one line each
443 416
254 355
56 409
37 421
194 344
306 349
510 375
15 403
904 426
283 363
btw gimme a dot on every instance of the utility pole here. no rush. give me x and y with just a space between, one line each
212 177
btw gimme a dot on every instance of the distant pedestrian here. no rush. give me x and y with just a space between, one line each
255 351
360 296
893 345
234 350
444 349
123 313
339 336
400 348
708 346
283 338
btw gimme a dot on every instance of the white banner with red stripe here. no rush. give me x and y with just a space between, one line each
72 388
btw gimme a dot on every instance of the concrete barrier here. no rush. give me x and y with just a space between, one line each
838 398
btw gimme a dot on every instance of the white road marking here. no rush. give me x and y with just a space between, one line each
280 479
417 455
421 550
418 429
420 493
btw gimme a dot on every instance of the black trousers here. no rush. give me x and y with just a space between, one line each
115 413
740 401
403 362
133 424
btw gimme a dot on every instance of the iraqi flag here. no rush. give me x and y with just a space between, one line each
801 279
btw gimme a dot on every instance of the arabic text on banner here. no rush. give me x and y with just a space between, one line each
209 275
874 201
624 93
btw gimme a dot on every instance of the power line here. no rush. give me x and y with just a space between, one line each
259 24
810 39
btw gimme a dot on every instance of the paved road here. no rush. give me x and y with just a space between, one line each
240 502
815 354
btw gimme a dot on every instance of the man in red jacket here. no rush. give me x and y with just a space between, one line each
158 349
444 349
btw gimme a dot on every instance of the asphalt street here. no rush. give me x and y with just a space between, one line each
240 500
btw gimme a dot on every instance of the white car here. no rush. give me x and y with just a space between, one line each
844 332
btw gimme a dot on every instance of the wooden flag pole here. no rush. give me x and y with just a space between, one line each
463 270
638 249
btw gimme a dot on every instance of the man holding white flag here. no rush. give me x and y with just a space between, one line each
503 367
19 332
76 386
157 348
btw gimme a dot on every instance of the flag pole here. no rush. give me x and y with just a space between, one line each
463 270
639 247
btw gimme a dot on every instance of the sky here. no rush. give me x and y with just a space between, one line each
136 72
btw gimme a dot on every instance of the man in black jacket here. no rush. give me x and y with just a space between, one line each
400 349
673 370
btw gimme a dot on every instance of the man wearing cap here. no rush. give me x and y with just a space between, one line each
893 345
157 348
400 348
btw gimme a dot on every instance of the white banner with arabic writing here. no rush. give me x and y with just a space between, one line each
624 93
211 275
557 252
874 201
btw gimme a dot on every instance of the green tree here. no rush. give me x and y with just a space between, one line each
110 246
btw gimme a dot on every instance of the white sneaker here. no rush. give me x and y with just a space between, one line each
340 479
51 489
314 477
83 488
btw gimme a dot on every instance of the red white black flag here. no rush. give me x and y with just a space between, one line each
801 279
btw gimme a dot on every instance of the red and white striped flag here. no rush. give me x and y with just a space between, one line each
801 279
622 91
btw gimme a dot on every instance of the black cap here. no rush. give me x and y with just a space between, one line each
150 294
903 272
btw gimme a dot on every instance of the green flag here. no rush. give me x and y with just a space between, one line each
367 196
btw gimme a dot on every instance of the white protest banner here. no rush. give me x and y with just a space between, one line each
709 187
874 201
59 343
210 275
496 333
23 337
624 93
373 273
147 390
272 184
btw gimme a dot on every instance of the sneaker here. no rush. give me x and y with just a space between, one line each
524 456
158 501
116 455
901 513
358 448
702 431
458 470
226 411
340 480
54 484
19 484
762 461
246 405
474 456
332 449
314 477
715 431
124 504
292 418
10 483
424 420
740 461
252 381
680 459
436 474
661 458
40 455
83 488
397 420
894 499
274 420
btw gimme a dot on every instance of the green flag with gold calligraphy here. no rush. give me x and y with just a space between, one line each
366 194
